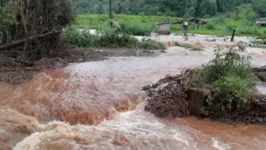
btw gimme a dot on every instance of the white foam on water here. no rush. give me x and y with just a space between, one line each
134 130
219 145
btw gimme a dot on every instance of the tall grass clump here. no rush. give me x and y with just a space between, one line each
113 39
210 26
231 78
109 38
79 37
139 30
248 30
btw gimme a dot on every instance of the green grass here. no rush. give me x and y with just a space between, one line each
99 21
134 29
109 38
142 25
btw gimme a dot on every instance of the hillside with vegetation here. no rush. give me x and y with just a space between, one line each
141 17
176 8
220 25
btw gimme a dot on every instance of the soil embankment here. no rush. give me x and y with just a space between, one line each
170 97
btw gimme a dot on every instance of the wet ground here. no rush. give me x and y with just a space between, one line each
87 93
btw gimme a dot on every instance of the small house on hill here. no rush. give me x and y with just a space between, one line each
261 22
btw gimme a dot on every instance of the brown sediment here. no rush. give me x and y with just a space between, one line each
167 98
251 113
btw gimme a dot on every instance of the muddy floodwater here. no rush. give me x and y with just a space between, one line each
100 106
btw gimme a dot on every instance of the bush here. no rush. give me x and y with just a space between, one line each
210 26
80 37
229 28
113 39
230 74
220 19
236 89
251 16
248 30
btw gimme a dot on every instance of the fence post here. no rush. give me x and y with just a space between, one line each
233 35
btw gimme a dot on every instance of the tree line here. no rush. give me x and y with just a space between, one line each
177 8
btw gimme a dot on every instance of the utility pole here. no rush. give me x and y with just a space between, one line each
110 10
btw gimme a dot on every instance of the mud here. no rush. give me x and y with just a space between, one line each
167 98
251 113
260 72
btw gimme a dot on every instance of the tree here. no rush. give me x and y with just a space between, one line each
259 7
34 26
110 9
178 8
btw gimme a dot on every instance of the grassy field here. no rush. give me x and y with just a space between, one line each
220 26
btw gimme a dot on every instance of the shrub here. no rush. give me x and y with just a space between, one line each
248 30
251 16
113 39
79 37
210 26
236 89
229 28
220 19
230 74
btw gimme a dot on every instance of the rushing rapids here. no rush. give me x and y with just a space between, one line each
100 105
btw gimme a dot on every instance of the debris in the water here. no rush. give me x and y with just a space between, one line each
167 98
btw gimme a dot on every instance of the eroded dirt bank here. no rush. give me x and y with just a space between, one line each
170 97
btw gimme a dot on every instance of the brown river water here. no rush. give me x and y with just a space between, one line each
100 106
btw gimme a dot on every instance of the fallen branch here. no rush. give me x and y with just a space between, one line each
22 41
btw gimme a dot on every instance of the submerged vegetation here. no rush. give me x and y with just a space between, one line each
188 46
